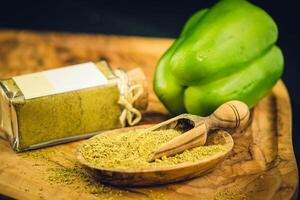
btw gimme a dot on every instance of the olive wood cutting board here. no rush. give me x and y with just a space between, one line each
261 166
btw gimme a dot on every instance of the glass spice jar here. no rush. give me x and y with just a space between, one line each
69 103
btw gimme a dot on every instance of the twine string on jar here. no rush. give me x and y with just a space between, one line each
129 94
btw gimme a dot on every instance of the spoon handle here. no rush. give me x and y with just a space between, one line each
229 116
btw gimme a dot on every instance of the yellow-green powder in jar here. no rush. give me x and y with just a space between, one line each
58 116
131 150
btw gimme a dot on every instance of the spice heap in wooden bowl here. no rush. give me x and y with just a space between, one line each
132 149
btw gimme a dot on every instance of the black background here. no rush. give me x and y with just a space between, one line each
152 18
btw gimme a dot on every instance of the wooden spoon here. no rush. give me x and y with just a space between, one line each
229 116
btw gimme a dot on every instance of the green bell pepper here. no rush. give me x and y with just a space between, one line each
224 53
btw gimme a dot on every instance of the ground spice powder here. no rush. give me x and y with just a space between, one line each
81 109
61 169
231 194
130 150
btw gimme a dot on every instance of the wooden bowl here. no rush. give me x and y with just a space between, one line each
159 175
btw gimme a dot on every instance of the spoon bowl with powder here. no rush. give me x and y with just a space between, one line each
230 116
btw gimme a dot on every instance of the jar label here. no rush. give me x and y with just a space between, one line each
60 80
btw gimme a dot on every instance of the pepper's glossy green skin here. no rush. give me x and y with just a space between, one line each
224 53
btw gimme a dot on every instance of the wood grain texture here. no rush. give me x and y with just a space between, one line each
262 163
